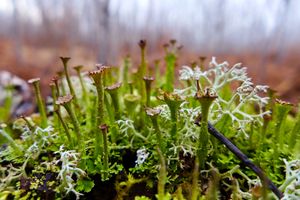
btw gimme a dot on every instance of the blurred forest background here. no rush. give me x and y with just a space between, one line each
262 34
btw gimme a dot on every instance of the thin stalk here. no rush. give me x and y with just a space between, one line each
205 99
153 114
60 74
162 176
170 62
173 101
55 106
212 192
282 110
104 130
195 180
148 81
131 102
173 110
294 136
74 121
65 101
65 61
114 94
78 71
64 126
111 116
267 119
170 59
97 77
57 90
142 71
125 80
157 73
36 84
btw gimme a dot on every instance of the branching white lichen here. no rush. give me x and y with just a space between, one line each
41 138
127 128
291 186
69 161
217 77
9 174
141 155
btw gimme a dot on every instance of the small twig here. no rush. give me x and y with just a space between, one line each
236 151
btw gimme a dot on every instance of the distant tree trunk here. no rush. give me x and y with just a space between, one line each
16 34
103 30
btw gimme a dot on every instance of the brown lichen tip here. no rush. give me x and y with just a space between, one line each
113 87
202 58
166 45
152 111
267 117
173 41
60 73
96 73
64 99
33 80
281 102
208 93
193 64
156 61
104 127
65 59
142 44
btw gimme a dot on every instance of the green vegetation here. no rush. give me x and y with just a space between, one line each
114 133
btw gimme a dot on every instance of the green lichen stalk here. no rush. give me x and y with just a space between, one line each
142 71
65 61
42 110
170 59
78 69
104 130
66 129
97 77
205 99
153 114
173 101
282 110
65 101
148 82
114 94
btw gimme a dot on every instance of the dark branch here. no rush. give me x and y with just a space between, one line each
243 158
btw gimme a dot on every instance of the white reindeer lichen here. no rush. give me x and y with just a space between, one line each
216 78
291 186
69 161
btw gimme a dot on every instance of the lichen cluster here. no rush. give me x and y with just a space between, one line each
134 130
